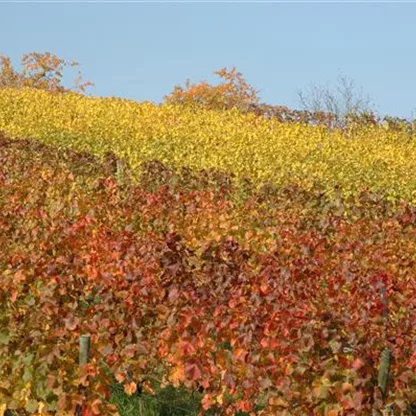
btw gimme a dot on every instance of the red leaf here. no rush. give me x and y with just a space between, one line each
193 372
357 364
173 294
186 348
243 405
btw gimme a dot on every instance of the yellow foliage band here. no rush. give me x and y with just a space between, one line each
246 145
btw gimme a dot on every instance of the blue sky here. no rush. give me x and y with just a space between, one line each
141 50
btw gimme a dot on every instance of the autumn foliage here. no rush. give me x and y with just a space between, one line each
214 242
232 92
261 149
270 304
40 70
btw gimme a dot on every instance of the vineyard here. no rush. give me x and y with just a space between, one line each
264 265
245 145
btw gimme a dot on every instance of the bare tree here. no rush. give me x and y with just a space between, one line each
344 100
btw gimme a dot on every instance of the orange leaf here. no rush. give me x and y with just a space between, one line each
207 402
95 407
240 354
177 375
130 388
120 377
13 297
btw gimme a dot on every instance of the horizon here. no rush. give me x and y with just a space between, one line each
140 51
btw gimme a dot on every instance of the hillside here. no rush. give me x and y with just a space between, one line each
262 266
265 151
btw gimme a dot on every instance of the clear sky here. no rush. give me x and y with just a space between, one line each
141 50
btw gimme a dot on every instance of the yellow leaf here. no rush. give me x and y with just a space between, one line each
177 375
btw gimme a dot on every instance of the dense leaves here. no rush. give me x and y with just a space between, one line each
269 301
245 145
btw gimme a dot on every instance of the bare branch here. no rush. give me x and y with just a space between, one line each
342 101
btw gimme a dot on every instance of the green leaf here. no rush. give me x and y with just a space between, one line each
31 406
28 358
27 374
4 338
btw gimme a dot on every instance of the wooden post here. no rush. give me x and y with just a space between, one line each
386 354
384 371
383 379
84 349
84 352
